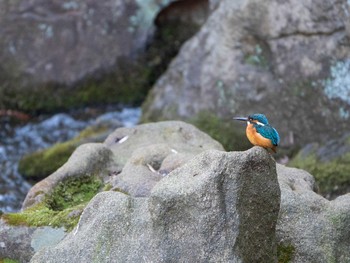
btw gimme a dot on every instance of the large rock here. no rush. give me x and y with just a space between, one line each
86 51
131 160
61 41
312 228
281 58
218 207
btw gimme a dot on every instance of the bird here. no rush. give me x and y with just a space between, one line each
260 132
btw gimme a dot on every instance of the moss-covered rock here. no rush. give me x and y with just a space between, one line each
7 260
60 208
329 164
40 164
285 253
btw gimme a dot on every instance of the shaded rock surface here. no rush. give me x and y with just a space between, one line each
218 207
318 230
281 58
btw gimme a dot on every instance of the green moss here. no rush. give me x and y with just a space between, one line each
40 164
61 208
107 187
7 260
72 192
226 132
332 177
285 253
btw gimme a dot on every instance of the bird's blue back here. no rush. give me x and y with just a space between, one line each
268 132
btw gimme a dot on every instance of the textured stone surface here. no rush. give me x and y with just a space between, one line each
318 229
21 242
142 158
218 207
65 41
281 58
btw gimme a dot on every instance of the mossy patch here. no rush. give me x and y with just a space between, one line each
7 260
62 207
222 130
332 177
40 164
73 192
285 253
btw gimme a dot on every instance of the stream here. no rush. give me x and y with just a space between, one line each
18 140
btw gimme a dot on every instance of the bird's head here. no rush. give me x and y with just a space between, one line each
256 118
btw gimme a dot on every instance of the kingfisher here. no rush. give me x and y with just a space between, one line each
260 132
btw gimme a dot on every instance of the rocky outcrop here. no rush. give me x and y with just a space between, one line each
131 160
281 58
218 207
313 228
171 194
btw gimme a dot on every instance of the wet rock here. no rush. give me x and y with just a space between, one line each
313 228
264 56
218 207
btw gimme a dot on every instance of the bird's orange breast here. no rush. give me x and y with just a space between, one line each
257 139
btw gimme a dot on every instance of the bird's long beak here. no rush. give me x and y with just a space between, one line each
240 118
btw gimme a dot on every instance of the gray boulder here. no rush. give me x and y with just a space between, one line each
218 207
314 229
281 58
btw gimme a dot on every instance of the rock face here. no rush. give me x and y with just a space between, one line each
281 58
58 55
61 41
316 229
218 207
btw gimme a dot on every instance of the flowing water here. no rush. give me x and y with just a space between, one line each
15 141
